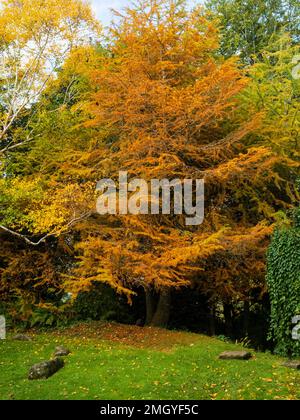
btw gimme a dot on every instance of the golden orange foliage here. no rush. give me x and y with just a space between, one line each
158 102
168 105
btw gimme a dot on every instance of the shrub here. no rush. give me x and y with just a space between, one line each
102 303
283 279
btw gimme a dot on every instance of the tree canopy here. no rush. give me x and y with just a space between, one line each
163 94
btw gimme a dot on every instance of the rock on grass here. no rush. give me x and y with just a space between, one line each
61 351
235 355
22 337
46 369
292 364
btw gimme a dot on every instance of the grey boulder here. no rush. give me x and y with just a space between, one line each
292 364
61 351
22 337
44 370
235 355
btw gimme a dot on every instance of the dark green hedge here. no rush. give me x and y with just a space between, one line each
283 279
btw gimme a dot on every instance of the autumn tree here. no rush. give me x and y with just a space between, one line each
158 101
35 39
169 106
43 196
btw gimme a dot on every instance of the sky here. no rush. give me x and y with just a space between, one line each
102 8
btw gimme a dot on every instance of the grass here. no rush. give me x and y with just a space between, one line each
111 361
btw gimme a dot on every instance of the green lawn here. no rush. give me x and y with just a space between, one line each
117 362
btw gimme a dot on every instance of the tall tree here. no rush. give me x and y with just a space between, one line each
274 91
169 108
35 39
248 26
158 102
44 192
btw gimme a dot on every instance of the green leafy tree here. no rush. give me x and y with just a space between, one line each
274 92
248 26
35 39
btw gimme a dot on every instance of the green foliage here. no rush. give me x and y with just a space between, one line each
102 303
274 93
297 218
17 200
47 318
284 285
247 26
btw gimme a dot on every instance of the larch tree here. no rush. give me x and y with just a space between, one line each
159 102
169 107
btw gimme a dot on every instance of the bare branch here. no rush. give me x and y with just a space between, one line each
52 234
12 146
25 238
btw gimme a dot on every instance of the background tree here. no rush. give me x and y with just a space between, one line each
248 26
274 92
35 39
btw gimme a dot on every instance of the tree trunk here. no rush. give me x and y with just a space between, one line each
228 309
246 318
212 324
162 313
150 306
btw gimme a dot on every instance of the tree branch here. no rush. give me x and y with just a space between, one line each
25 238
45 237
